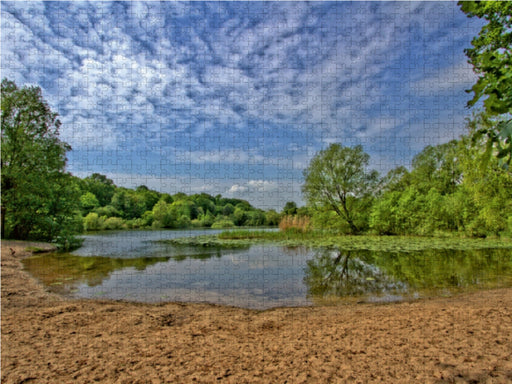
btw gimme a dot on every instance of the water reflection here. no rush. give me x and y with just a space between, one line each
62 272
257 277
183 252
347 273
391 276
261 276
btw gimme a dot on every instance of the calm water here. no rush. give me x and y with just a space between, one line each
130 265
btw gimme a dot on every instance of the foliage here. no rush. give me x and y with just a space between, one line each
39 199
113 223
449 189
101 187
337 180
272 217
223 223
491 57
93 222
142 207
290 208
88 202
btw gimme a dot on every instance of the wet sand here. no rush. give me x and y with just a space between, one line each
50 339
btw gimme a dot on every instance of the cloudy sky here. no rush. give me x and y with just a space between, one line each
235 98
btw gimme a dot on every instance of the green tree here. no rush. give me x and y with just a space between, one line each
437 167
163 215
39 199
88 202
272 217
384 218
290 208
101 186
337 180
93 222
491 57
147 196
228 209
397 179
487 198
204 201
239 217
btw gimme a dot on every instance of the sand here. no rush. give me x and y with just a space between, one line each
51 339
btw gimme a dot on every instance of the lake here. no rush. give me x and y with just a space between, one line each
133 265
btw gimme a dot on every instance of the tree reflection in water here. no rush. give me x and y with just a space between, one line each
347 273
340 273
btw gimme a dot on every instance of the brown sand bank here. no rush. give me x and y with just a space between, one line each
49 339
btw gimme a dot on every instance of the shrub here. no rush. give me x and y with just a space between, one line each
93 222
156 224
113 223
223 223
183 222
108 211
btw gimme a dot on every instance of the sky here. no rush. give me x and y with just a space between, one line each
235 98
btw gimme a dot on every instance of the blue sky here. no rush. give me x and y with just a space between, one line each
236 97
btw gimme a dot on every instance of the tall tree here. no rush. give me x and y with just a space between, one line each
491 57
437 167
290 208
39 199
101 186
337 179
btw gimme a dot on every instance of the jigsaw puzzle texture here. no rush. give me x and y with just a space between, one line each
238 187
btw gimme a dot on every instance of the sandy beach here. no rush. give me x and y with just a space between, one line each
50 339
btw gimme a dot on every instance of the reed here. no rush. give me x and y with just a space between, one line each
295 223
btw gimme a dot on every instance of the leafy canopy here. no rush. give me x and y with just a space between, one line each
491 57
39 198
337 180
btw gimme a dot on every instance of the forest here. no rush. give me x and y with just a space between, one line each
105 206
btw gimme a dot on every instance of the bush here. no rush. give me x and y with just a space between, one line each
157 224
108 211
135 223
196 223
93 222
223 223
147 218
183 222
113 223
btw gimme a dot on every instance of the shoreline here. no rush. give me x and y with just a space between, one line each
48 338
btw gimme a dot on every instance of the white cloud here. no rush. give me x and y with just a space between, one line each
454 79
237 189
234 156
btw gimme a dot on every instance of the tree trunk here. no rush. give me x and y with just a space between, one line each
348 218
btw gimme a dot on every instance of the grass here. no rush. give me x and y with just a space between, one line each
296 223
326 239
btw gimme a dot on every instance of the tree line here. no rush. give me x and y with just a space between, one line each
103 205
451 188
